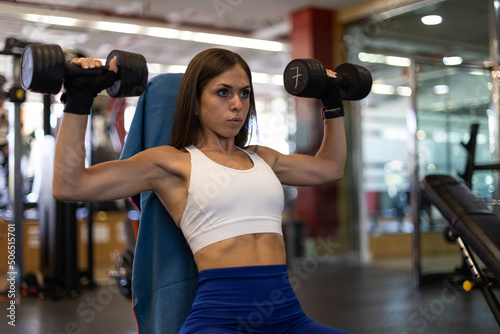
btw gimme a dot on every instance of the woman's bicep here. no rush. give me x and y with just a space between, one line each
113 180
299 169
121 179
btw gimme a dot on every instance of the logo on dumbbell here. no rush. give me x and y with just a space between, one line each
296 76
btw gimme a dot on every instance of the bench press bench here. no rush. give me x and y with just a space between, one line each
474 227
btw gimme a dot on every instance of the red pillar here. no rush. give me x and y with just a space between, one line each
313 36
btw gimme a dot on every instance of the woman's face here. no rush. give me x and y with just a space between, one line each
225 102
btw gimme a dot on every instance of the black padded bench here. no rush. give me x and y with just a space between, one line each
474 226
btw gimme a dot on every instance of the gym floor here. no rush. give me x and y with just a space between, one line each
376 298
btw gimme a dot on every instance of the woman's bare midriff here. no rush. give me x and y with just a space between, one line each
256 249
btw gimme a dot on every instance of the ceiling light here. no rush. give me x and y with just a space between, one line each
371 57
242 42
403 91
385 89
441 89
393 12
452 61
431 20
478 72
118 27
162 32
57 20
397 61
127 28
382 89
381 59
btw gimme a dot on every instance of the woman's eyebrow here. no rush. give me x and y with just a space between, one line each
231 87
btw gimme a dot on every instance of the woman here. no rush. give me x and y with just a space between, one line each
226 199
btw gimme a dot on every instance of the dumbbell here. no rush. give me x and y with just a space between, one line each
308 78
44 69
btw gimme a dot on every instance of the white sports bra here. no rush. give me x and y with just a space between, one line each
224 203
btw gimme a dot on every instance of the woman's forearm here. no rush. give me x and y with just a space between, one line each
333 147
69 159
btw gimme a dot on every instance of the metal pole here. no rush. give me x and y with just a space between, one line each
495 90
90 214
359 211
15 177
46 114
411 123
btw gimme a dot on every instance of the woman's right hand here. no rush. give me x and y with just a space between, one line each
81 90
89 62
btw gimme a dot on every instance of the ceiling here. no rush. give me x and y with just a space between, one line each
256 19
464 30
395 29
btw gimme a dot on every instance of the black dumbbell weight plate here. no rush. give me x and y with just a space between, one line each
305 78
132 74
42 68
355 81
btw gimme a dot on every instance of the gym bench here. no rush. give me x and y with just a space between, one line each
474 227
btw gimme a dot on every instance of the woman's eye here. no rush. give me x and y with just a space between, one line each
245 93
222 92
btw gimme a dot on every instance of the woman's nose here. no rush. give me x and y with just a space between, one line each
236 103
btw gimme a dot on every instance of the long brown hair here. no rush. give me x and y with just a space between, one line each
204 67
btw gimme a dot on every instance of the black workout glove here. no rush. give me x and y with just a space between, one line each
81 91
332 101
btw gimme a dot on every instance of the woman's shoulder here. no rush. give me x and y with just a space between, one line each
166 149
168 156
261 150
265 153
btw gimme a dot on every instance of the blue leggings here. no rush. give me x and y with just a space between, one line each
246 300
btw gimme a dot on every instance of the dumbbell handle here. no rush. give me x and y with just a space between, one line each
72 71
341 80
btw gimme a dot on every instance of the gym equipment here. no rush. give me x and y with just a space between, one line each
470 165
123 272
16 151
308 78
474 227
44 69
159 281
124 260
3 93
17 94
30 286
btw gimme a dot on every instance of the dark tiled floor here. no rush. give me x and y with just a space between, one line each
364 300
341 293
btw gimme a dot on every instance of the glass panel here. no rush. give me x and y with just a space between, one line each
448 101
384 145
